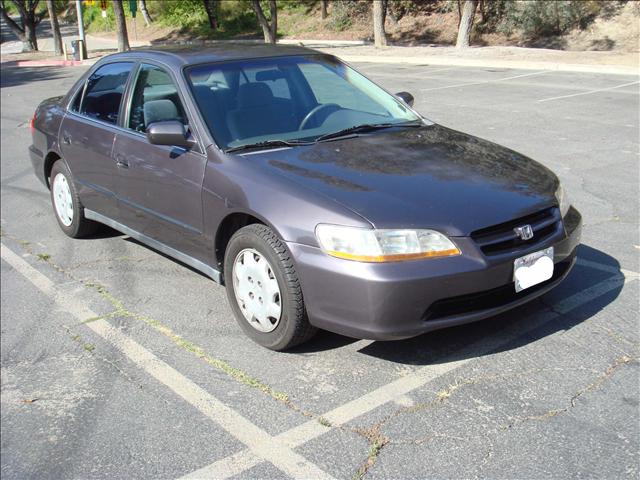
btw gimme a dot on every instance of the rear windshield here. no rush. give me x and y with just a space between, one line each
288 98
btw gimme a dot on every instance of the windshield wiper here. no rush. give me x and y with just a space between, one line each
267 144
365 127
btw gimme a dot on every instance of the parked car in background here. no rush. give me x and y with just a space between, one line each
316 197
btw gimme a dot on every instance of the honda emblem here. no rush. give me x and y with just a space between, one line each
525 232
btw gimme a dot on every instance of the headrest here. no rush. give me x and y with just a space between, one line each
202 91
269 75
159 110
252 95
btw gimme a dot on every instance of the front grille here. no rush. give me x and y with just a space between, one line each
502 238
488 299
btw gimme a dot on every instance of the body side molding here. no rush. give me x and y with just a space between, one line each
209 271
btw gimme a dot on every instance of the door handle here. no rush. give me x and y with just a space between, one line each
121 162
66 139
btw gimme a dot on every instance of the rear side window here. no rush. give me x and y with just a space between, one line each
104 91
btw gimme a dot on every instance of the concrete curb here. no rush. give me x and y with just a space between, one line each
52 63
495 63
425 60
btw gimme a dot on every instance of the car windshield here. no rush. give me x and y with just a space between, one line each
292 99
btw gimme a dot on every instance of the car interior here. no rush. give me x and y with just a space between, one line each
253 101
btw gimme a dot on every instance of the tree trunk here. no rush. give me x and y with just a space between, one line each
55 27
145 13
211 6
323 8
13 26
379 35
464 31
121 26
26 33
274 19
31 42
269 29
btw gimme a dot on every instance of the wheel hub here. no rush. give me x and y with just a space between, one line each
257 291
62 200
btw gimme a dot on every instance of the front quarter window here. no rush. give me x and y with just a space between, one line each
155 98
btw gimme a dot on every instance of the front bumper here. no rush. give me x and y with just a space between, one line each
389 301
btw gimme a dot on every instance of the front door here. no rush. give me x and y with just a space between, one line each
87 135
159 187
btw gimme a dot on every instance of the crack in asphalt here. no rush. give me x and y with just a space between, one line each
376 439
608 372
371 434
443 397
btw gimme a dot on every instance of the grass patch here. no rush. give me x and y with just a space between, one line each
44 257
233 372
324 422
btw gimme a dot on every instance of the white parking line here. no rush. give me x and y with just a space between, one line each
588 92
405 75
279 449
629 274
297 436
259 443
484 81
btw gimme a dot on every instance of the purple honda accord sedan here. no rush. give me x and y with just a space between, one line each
316 197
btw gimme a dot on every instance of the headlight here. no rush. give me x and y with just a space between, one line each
365 245
563 200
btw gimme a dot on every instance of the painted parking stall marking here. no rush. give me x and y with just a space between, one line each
396 390
589 92
261 445
278 449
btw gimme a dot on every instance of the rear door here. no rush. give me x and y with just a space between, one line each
159 187
88 132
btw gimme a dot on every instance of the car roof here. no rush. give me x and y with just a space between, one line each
181 55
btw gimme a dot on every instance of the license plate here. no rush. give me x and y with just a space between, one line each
533 269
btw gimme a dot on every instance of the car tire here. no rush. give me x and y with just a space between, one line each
66 204
256 248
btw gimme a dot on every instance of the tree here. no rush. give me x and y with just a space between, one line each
55 27
466 22
121 26
145 13
270 29
379 14
29 20
211 6
323 8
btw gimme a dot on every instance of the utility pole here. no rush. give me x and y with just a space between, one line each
81 27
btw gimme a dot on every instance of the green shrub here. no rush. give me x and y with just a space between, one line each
340 20
343 13
187 14
94 20
538 18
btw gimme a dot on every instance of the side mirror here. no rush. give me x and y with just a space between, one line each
406 97
169 132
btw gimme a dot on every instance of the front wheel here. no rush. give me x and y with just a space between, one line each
66 203
263 289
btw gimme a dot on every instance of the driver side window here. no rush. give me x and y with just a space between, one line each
155 99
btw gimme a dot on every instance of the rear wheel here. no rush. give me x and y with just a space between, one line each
263 289
68 210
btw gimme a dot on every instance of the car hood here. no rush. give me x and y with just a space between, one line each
428 177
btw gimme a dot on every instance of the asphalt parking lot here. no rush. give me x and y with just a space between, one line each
119 363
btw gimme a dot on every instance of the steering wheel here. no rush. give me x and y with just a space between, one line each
315 110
